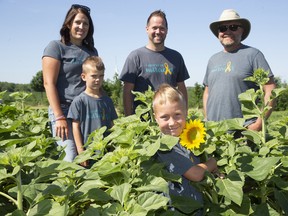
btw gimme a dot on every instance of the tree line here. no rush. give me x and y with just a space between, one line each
114 90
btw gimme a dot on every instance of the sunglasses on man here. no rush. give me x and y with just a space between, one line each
77 6
224 28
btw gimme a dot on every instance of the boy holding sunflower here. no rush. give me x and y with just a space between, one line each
170 112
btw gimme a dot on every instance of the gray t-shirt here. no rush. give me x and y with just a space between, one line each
92 113
144 68
225 76
69 83
178 161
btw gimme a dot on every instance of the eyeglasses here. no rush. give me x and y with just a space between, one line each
76 6
224 28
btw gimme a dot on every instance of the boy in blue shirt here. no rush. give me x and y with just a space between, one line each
170 112
92 109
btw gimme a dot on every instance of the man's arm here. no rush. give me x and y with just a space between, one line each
182 88
128 98
205 99
268 87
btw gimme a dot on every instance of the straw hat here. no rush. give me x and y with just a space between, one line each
231 15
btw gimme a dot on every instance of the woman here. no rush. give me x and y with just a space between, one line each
62 67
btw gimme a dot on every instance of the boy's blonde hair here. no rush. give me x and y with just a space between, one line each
167 93
93 62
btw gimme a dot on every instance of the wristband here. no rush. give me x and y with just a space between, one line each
62 117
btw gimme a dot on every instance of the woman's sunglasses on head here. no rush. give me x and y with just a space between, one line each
76 6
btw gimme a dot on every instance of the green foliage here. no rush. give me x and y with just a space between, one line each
114 90
36 99
282 100
12 87
37 82
195 95
255 164
24 138
125 179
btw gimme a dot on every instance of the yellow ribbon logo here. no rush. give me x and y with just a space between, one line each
228 67
167 69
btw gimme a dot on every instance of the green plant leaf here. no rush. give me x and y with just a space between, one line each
234 124
149 149
16 170
98 195
284 161
137 210
231 187
260 77
244 209
4 174
185 204
92 211
264 151
265 210
261 167
47 207
253 136
112 209
116 178
280 182
154 184
168 142
54 189
121 192
282 199
152 201
222 162
55 166
125 138
278 91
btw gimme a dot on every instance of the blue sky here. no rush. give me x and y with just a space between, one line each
28 26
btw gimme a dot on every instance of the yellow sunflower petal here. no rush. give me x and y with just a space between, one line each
193 134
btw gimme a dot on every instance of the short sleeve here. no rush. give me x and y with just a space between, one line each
175 161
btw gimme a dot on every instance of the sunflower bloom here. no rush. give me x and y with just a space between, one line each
193 134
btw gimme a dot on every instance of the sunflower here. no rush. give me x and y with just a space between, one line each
193 134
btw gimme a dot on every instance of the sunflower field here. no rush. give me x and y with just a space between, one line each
255 164
125 179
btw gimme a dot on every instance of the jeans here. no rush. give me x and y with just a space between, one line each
69 144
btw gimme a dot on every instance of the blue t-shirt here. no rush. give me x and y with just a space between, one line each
145 67
178 161
225 76
92 113
69 83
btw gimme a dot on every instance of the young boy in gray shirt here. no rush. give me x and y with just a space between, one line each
92 109
170 113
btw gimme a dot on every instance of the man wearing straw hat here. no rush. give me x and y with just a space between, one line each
226 70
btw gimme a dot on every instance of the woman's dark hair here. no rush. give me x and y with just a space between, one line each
65 31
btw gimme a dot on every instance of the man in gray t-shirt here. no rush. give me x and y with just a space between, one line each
153 64
226 70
